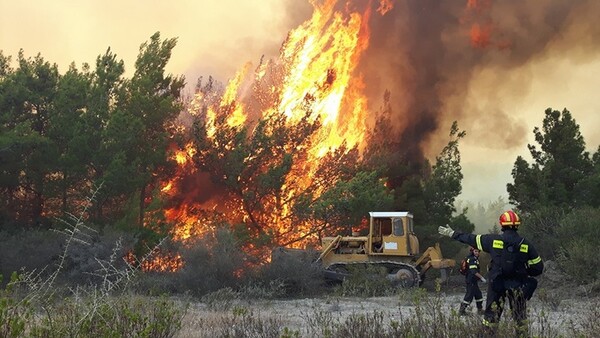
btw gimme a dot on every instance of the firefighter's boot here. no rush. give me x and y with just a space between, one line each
480 310
463 309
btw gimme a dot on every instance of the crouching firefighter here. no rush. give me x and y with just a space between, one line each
514 261
472 278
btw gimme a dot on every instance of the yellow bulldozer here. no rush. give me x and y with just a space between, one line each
390 246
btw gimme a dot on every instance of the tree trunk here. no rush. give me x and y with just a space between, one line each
142 205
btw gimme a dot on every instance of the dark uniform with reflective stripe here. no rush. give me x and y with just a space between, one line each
518 287
471 279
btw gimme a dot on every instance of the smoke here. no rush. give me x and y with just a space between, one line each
477 62
433 55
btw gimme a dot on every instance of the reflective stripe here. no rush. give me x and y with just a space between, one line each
486 323
498 244
535 260
524 248
478 240
472 266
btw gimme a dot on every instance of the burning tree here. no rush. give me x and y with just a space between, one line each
271 185
282 143
285 151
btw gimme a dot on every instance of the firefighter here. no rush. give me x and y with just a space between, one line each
472 279
514 260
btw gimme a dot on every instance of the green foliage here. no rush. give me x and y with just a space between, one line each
61 134
541 226
588 188
444 184
568 238
65 130
555 193
15 313
149 106
126 316
439 191
345 204
558 167
578 233
29 155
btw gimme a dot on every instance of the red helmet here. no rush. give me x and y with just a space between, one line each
510 220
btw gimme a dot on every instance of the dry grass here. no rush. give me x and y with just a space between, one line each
408 314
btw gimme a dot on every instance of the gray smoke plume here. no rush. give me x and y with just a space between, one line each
426 53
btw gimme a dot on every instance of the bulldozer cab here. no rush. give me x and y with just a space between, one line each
392 233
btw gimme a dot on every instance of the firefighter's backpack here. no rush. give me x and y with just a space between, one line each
464 267
512 260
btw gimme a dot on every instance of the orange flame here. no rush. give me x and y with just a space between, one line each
321 56
317 65
158 261
482 33
480 36
384 6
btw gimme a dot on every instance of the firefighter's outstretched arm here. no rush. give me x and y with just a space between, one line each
470 239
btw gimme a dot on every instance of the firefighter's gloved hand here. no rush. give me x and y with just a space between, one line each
483 280
446 231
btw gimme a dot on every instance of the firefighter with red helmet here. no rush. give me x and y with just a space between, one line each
472 277
514 263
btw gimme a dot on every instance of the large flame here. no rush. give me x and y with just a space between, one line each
317 64
318 60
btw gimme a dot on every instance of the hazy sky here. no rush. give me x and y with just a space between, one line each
216 37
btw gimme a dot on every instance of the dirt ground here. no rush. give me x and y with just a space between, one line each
554 305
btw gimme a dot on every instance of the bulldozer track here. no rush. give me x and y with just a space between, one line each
400 274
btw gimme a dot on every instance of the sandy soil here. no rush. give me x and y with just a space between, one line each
552 307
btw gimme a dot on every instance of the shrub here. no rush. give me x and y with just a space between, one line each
211 263
578 234
295 272
366 281
125 316
83 257
31 249
15 313
221 299
541 227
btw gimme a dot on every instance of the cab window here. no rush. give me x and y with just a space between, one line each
398 228
384 225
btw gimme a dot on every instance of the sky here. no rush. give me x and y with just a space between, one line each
214 36
501 99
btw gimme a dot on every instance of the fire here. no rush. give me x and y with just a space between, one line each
482 31
385 6
157 261
480 36
316 68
